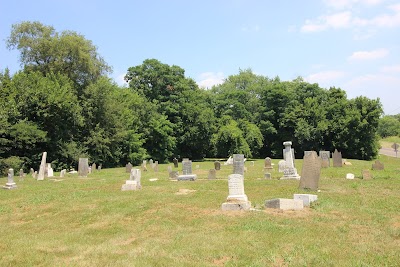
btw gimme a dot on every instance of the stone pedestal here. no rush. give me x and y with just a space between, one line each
306 198
129 186
236 205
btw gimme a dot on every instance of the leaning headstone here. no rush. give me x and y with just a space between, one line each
238 164
217 165
42 168
212 174
366 175
237 199
83 167
284 204
62 173
378 165
175 160
187 171
311 171
267 163
306 198
10 180
289 172
128 167
337 159
50 172
281 165
350 176
325 158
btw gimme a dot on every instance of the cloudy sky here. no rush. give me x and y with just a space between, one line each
351 44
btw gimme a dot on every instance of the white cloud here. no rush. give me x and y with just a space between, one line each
119 79
335 21
369 55
391 69
209 79
325 78
342 4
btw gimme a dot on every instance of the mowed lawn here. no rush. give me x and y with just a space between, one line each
91 222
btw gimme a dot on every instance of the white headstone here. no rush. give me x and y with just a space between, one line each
42 168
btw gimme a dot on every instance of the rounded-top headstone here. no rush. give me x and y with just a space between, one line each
287 143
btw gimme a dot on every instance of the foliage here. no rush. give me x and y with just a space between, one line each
388 126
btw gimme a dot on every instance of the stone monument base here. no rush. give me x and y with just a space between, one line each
233 204
306 198
10 186
130 186
290 177
187 177
284 204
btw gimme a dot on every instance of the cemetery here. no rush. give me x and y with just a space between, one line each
236 218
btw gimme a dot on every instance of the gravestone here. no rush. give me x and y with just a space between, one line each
134 181
281 165
173 175
366 175
311 171
289 172
35 174
325 158
267 175
229 161
212 174
10 180
50 172
175 160
62 173
378 165
267 163
144 165
284 204
238 164
31 171
237 199
99 167
350 176
89 169
217 165
187 171
307 153
337 159
151 163
306 198
155 166
128 167
42 168
94 167
83 167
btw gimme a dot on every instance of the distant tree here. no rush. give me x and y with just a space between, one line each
388 126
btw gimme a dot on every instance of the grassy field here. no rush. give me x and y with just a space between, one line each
388 141
91 222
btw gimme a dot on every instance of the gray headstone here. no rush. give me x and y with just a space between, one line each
284 204
83 167
268 163
366 175
187 171
238 164
128 167
94 167
337 159
173 175
217 165
378 165
212 174
42 168
156 166
307 152
311 171
325 158
175 160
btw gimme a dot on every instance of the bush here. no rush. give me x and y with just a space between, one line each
13 162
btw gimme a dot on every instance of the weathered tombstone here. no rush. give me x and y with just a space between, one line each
128 167
217 165
307 153
99 167
229 161
284 204
350 176
281 165
134 181
306 198
366 175
173 175
155 166
238 164
83 167
378 165
237 199
21 174
151 163
31 171
212 174
289 172
187 171
267 163
325 158
62 173
10 180
175 160
337 159
42 168
267 175
50 172
94 167
311 171
35 174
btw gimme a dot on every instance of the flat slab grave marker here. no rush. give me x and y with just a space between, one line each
337 159
306 198
311 171
284 204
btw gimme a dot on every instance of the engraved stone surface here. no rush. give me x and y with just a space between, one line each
289 171
268 163
284 204
42 168
83 167
306 198
325 158
212 174
337 159
378 165
187 171
236 187
238 164
217 165
311 171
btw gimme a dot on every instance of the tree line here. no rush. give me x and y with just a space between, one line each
63 102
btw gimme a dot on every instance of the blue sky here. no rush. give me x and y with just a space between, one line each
351 44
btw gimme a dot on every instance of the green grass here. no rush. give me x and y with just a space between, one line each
91 222
388 141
